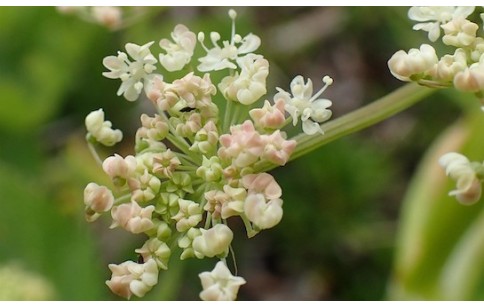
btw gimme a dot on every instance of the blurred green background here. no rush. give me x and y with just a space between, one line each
344 235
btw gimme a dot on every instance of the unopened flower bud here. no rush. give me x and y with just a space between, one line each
132 217
214 241
98 199
101 130
406 66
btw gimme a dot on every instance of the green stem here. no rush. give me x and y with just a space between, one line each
363 117
357 120
463 271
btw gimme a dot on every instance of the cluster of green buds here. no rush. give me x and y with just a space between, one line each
200 157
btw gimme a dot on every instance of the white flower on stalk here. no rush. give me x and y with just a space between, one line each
101 130
459 168
218 57
180 53
432 17
301 103
220 284
250 85
132 73
130 278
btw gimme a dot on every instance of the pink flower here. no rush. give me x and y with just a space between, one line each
269 116
263 183
132 217
243 146
277 149
130 278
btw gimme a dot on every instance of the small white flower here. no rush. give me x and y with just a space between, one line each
130 278
406 66
131 73
459 168
303 104
213 242
101 130
220 284
178 54
433 16
218 57
250 85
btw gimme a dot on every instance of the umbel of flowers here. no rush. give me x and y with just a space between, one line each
463 68
197 157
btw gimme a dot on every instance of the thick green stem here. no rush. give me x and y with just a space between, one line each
363 117
357 120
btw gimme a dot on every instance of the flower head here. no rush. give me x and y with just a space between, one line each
220 284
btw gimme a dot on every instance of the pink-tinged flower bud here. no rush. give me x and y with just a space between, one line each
132 217
130 278
98 199
243 146
164 164
277 149
119 167
220 284
263 214
269 116
214 241
263 183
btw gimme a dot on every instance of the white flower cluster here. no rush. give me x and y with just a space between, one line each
468 176
462 69
198 158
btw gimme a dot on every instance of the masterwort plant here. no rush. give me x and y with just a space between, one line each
203 153
200 157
